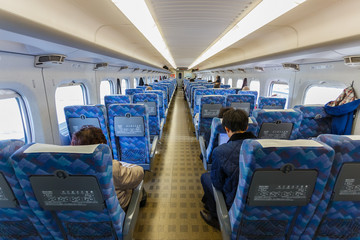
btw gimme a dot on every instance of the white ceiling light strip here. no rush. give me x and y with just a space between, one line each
262 14
138 13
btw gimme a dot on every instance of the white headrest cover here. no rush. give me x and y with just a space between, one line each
353 137
266 143
43 148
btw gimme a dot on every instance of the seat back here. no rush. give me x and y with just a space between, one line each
280 184
78 116
192 96
131 91
142 87
337 216
209 108
255 93
70 188
244 102
17 221
225 86
271 103
162 88
223 91
198 94
151 101
315 121
129 133
278 124
161 101
116 99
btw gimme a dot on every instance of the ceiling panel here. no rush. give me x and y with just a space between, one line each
190 26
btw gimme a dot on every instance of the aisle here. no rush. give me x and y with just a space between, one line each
174 188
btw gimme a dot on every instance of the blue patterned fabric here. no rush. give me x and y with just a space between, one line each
253 126
77 224
255 93
222 91
161 101
162 88
315 121
285 116
275 222
189 89
236 98
209 85
205 123
142 87
132 91
197 96
225 86
269 102
19 222
337 219
88 111
154 121
115 99
192 96
129 149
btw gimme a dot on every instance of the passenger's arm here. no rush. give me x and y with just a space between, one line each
217 173
126 176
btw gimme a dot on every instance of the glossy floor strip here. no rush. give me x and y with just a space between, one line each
174 188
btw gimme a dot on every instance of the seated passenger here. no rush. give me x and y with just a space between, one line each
217 85
149 88
224 174
126 176
246 88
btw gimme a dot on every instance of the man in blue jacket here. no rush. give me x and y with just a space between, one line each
224 174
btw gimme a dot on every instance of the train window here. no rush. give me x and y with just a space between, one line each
66 96
106 88
230 82
14 123
321 94
136 82
239 83
223 81
124 85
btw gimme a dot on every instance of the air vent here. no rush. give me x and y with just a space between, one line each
259 69
291 66
101 66
49 60
123 68
352 61
136 69
241 70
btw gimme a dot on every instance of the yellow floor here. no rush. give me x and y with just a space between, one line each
173 186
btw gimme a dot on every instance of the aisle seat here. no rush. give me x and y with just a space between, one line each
271 103
244 102
116 99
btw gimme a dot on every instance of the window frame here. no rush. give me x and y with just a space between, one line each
111 84
24 112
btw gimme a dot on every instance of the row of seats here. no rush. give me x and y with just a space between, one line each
131 129
295 189
61 192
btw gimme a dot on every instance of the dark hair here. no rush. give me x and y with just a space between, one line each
235 120
223 110
218 79
88 135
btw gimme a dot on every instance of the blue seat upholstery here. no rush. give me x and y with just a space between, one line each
315 121
255 93
142 87
265 167
225 86
131 148
281 116
161 102
162 88
17 221
337 216
209 108
116 99
271 103
223 91
192 96
82 115
152 111
132 91
199 92
65 171
245 102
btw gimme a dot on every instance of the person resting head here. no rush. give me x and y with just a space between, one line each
246 88
217 85
149 88
126 176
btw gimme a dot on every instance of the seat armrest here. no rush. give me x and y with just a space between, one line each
223 214
153 147
132 212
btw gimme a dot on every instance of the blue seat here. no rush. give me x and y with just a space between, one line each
255 93
142 87
223 91
278 124
216 129
78 116
271 103
338 214
192 96
315 121
198 94
116 99
129 134
70 188
151 101
17 221
131 91
209 108
162 88
282 182
244 102
163 111
225 86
